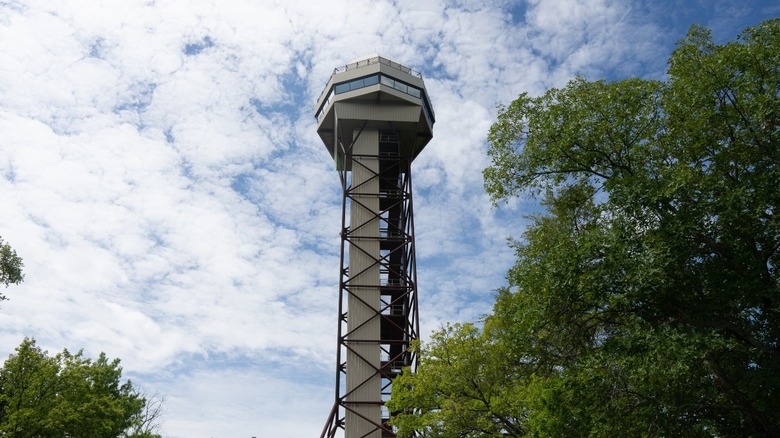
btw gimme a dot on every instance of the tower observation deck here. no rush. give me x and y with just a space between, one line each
374 117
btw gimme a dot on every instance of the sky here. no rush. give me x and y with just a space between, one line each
161 175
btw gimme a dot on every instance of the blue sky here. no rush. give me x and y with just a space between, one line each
161 175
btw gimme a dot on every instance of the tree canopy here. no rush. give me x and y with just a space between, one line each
645 297
10 266
69 395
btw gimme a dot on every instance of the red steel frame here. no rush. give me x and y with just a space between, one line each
398 309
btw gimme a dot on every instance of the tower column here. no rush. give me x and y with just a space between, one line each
363 324
374 118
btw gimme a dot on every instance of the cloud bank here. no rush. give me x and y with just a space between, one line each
163 181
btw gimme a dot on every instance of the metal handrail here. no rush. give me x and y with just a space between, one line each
370 61
377 60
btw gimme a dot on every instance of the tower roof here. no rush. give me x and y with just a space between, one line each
378 93
375 58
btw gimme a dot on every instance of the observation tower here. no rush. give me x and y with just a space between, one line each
374 117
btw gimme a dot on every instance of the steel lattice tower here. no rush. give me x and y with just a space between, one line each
374 117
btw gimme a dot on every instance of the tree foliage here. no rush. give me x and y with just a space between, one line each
67 395
469 368
147 421
645 299
10 266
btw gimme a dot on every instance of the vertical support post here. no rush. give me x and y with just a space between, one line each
363 326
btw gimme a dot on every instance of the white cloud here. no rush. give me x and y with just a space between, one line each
236 410
161 176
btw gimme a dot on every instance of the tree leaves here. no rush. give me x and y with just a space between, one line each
461 392
10 266
644 299
65 395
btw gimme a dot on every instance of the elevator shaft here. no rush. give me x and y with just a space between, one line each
377 285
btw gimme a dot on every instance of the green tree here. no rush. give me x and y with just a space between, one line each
146 422
28 390
10 266
66 395
460 389
645 298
